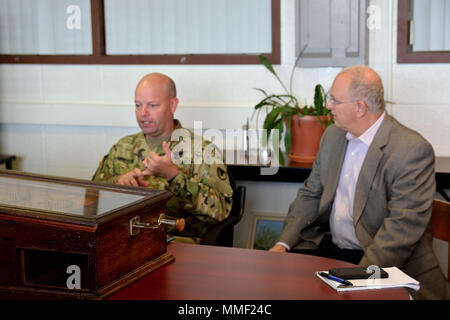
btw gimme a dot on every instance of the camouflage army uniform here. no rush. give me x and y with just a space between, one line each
202 192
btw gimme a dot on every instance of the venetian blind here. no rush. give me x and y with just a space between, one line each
188 26
431 25
45 27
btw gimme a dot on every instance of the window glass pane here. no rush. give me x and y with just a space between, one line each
48 27
188 26
431 25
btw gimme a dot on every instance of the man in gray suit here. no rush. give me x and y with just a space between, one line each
369 196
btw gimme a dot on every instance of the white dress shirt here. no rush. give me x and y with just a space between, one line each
341 218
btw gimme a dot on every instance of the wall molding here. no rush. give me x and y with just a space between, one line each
118 115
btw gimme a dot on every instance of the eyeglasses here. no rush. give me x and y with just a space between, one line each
334 102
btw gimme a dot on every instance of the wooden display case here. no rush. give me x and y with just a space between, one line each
68 238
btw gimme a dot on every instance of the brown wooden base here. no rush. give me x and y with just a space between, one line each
29 292
135 275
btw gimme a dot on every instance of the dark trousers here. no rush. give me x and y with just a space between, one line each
328 249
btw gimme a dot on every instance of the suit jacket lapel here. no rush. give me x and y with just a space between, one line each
369 167
334 168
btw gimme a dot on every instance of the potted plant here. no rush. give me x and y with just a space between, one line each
303 126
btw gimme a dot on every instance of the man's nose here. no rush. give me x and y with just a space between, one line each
330 105
144 111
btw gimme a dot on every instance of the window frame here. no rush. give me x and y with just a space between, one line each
404 49
99 49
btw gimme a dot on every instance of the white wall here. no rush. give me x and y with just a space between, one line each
421 93
61 119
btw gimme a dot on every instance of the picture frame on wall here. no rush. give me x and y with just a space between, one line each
265 231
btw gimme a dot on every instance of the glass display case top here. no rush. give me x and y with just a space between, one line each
65 199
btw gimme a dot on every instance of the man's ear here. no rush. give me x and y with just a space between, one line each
173 105
362 108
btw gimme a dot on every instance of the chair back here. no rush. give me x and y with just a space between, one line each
440 230
221 234
239 193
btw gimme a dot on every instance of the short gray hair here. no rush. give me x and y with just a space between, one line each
366 85
172 88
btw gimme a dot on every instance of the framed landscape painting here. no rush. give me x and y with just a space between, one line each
265 231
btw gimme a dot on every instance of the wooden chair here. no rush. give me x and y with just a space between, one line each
440 229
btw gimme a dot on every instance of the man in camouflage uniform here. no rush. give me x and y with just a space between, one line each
201 190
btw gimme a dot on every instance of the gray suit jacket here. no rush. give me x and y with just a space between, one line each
392 205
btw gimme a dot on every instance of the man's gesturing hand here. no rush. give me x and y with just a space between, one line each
160 166
132 178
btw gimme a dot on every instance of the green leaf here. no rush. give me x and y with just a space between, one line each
287 110
282 97
281 157
267 64
288 135
318 99
322 123
261 90
275 100
271 120
266 102
305 110
269 103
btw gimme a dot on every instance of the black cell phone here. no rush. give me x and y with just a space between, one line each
359 273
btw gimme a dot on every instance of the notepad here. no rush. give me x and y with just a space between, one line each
397 279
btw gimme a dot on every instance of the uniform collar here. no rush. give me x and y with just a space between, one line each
157 142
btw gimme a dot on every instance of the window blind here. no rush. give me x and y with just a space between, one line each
141 27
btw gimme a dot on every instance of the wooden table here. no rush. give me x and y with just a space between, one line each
219 273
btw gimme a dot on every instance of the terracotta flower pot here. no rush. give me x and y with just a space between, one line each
306 138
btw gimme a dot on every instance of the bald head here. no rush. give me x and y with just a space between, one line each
155 100
365 85
159 80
